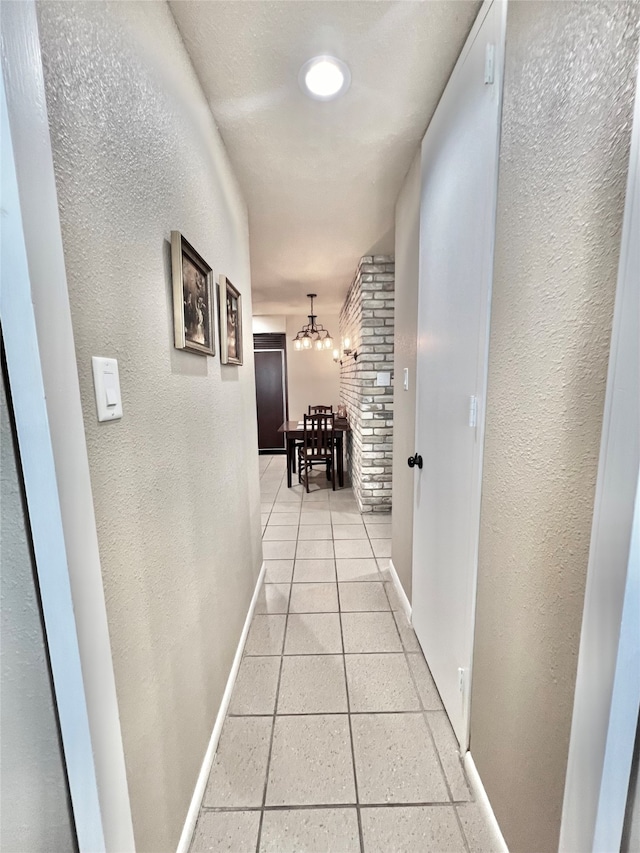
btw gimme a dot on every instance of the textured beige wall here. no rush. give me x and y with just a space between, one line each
404 402
569 82
314 377
36 813
175 482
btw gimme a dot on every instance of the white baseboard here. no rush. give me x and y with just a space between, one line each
203 776
402 595
499 844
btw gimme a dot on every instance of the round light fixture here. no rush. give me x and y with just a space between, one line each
324 78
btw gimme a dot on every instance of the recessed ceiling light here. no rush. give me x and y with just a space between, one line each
324 78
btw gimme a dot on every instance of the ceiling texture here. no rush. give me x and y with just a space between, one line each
320 179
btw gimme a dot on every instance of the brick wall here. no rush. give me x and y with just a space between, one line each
367 319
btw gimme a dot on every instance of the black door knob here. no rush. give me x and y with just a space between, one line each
412 461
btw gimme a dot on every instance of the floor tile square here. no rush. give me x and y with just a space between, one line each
227 832
395 760
349 531
381 547
314 598
379 531
424 682
281 533
278 571
357 569
256 685
313 634
312 684
315 516
449 752
310 831
315 496
380 683
341 517
373 518
411 829
289 496
273 598
240 764
314 551
346 549
265 635
311 761
278 550
314 571
281 519
363 596
476 829
309 532
370 632
286 509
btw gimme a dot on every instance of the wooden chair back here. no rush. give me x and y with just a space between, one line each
320 410
318 436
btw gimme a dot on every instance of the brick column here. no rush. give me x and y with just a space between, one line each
367 319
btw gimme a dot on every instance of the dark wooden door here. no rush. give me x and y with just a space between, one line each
270 398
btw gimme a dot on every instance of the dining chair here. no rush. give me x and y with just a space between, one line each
320 410
317 448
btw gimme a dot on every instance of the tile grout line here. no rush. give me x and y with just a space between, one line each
414 804
346 686
273 729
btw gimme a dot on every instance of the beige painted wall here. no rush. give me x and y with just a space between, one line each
404 402
569 84
314 377
175 482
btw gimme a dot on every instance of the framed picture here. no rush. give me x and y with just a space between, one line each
192 298
230 323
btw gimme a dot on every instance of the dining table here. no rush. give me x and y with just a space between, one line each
294 431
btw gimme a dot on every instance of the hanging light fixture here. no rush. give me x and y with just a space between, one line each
313 334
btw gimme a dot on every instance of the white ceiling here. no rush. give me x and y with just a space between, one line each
320 179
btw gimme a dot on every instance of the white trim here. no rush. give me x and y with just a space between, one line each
203 776
402 595
605 709
499 844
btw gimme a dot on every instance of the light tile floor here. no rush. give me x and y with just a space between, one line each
336 738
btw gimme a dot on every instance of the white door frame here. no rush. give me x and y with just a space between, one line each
41 364
607 694
483 361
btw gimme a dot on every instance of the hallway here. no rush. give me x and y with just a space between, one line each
335 739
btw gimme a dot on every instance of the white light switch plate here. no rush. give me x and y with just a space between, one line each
383 378
106 383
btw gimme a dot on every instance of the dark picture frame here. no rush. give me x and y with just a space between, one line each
193 295
230 306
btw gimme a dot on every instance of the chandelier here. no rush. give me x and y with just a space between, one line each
313 334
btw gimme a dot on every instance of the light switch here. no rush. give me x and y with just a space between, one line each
110 391
406 379
383 378
106 383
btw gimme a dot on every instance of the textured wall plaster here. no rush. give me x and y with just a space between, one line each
569 85
175 482
33 785
404 402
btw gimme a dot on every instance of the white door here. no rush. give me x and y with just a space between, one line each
457 226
